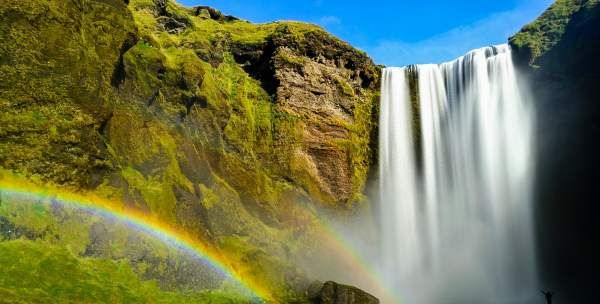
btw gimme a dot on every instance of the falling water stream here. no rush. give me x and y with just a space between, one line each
456 164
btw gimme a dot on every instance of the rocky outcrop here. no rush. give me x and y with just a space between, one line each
334 293
209 12
327 82
330 86
559 52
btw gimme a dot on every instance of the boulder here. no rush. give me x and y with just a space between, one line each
335 293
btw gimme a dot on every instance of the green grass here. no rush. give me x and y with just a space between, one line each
34 272
545 32
85 247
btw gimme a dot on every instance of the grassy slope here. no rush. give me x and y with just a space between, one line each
52 251
36 272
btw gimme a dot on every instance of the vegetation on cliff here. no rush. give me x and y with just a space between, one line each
559 52
232 131
91 248
540 36
34 272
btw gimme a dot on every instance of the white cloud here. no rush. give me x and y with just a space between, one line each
494 29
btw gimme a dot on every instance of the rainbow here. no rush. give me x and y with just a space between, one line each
19 188
346 254
379 287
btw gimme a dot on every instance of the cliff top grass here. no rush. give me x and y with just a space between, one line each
201 28
546 31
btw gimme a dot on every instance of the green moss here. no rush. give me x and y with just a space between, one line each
40 221
157 193
85 233
344 86
56 57
265 269
172 126
203 31
306 174
415 103
256 144
209 198
291 59
249 126
40 273
541 35
144 62
360 143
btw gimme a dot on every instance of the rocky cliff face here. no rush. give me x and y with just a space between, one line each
560 52
332 88
229 130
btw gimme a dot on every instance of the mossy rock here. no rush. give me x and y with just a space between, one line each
537 38
184 114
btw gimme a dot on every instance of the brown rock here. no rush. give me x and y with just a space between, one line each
321 79
334 293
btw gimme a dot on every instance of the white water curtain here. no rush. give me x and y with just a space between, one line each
456 176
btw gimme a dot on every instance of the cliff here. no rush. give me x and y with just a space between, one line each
559 52
236 133
223 128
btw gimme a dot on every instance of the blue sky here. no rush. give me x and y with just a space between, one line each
400 32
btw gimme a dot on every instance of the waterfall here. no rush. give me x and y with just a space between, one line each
456 170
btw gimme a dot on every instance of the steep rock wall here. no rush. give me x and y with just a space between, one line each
560 53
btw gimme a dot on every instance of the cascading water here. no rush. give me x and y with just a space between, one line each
456 160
